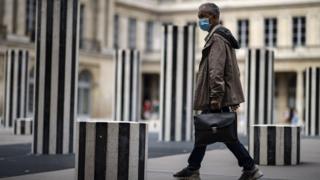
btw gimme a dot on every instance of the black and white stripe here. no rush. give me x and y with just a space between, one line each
312 101
16 78
275 144
56 76
127 86
177 83
259 87
111 150
23 126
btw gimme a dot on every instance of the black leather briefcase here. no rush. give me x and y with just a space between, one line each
215 127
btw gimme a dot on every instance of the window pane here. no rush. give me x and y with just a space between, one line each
298 31
243 32
84 88
270 32
116 31
30 19
149 36
132 33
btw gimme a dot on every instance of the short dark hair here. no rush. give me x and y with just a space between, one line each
210 8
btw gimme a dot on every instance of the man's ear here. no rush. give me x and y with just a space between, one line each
214 20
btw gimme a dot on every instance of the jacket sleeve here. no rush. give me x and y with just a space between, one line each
217 60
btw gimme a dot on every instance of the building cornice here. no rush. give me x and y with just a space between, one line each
226 5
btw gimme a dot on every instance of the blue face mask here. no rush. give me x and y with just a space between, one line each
204 24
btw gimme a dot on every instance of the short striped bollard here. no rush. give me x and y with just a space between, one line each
111 150
272 144
23 126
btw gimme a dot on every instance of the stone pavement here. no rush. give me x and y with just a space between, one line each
69 175
7 137
16 158
219 164
151 175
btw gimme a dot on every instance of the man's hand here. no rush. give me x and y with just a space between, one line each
234 108
215 105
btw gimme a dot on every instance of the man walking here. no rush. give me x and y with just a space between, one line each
222 91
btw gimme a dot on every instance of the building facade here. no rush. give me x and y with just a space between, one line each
290 27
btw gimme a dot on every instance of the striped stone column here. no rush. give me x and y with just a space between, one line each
23 126
127 86
111 150
259 87
56 76
177 83
16 81
312 101
275 144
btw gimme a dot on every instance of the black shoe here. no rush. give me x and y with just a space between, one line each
187 173
253 174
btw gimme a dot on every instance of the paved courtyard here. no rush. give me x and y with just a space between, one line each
16 162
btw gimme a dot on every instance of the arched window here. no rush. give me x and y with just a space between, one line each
84 89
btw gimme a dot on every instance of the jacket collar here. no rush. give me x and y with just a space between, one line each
211 32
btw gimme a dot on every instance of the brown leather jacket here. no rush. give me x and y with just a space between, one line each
224 76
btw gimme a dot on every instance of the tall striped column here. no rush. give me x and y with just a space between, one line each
312 101
111 150
56 76
16 81
127 86
177 83
259 87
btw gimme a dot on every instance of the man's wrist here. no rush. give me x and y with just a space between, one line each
215 104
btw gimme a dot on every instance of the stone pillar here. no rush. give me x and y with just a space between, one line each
127 86
111 150
259 87
123 27
158 36
21 22
109 13
8 16
92 17
312 35
16 81
275 144
177 83
285 27
141 35
312 101
100 22
299 95
56 76
256 29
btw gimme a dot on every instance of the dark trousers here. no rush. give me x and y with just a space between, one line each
237 148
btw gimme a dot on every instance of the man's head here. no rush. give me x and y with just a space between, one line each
208 13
